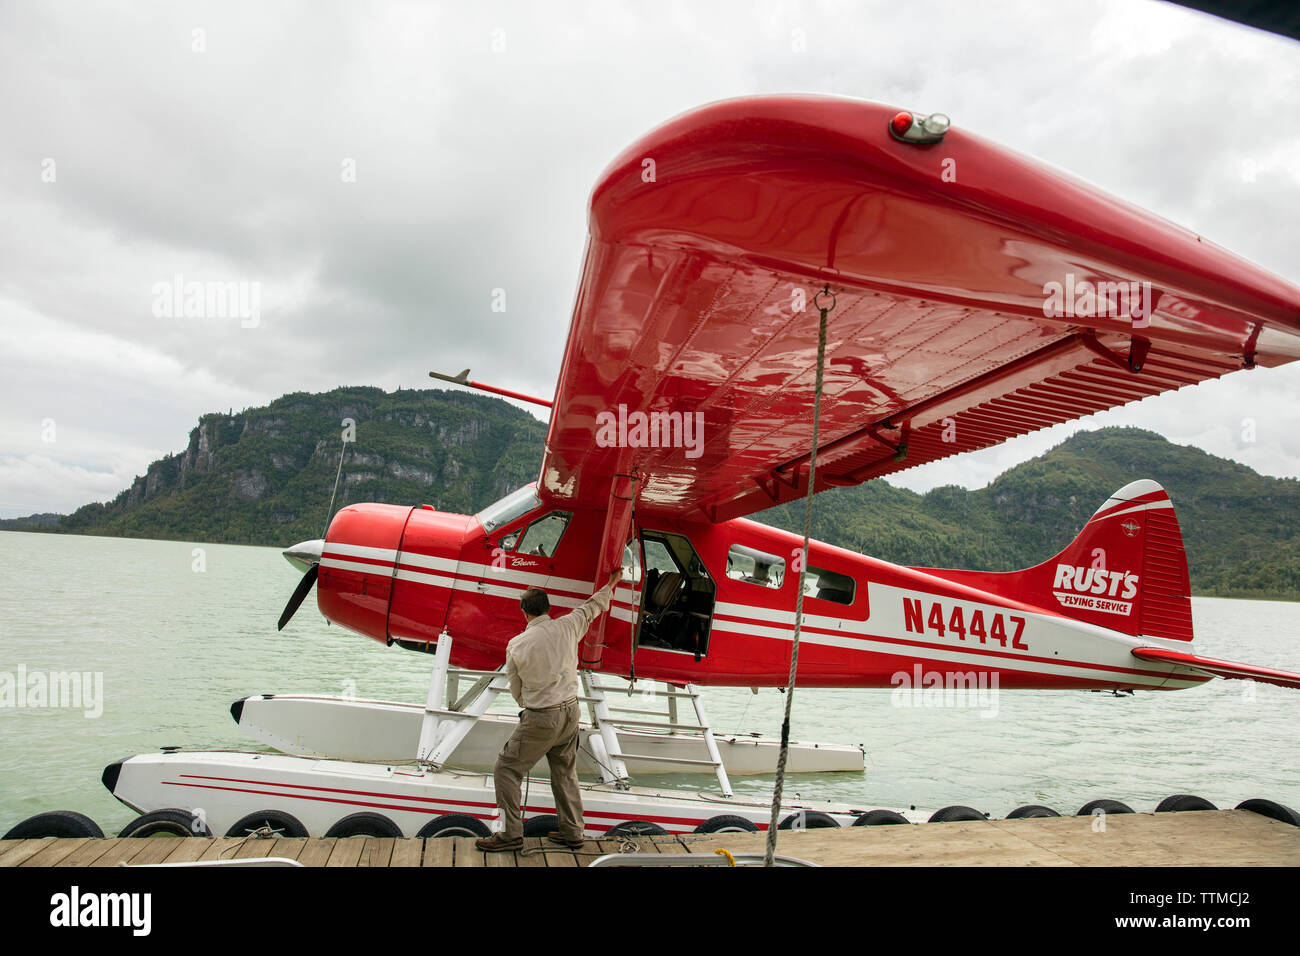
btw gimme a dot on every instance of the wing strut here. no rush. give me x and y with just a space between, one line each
618 526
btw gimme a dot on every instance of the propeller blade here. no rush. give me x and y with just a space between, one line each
299 593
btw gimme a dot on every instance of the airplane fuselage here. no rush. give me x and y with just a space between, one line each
714 604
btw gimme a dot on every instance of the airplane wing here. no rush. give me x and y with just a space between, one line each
1208 665
979 295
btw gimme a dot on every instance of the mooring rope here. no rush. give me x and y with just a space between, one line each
770 853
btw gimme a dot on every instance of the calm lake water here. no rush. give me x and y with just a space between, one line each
180 634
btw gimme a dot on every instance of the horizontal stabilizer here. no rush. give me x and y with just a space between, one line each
1209 665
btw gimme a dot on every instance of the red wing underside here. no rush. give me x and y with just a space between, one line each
938 256
1209 665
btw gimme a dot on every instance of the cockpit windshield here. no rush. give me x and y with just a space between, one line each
509 508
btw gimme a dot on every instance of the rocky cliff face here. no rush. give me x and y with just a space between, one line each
258 475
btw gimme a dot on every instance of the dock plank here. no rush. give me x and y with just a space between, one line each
439 851
87 853
974 843
407 852
55 851
1192 838
187 850
13 852
346 852
287 847
121 850
499 860
378 852
670 844
624 845
467 854
220 848
316 851
590 851
158 850
532 855
253 847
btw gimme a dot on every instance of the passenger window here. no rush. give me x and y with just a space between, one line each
542 537
755 567
829 586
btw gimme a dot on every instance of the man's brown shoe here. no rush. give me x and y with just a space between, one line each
496 843
555 836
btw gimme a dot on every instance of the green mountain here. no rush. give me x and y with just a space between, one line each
264 476
1241 529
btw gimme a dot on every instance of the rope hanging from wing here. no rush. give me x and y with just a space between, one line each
803 557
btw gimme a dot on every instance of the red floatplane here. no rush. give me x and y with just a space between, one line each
962 295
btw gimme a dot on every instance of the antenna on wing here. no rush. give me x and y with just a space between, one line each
463 379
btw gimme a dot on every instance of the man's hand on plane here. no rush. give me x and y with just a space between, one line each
615 576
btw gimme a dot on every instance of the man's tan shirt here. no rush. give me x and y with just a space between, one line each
542 662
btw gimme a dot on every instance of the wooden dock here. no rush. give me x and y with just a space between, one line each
1204 838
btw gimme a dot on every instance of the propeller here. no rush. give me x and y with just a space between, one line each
307 557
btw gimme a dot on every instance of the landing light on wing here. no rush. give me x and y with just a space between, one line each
909 128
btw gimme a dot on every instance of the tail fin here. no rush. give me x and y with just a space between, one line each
1126 570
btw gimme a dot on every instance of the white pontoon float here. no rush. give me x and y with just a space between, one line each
652 741
413 795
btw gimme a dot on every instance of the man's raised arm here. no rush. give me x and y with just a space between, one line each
580 617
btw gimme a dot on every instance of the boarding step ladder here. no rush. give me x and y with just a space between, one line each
445 725
605 745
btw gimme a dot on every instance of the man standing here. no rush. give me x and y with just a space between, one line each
542 665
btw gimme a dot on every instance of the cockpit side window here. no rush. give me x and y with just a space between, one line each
542 537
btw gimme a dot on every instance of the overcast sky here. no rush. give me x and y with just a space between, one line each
379 169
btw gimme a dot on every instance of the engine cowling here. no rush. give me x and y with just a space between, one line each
388 572
357 566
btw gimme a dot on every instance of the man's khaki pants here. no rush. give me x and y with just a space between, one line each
553 733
